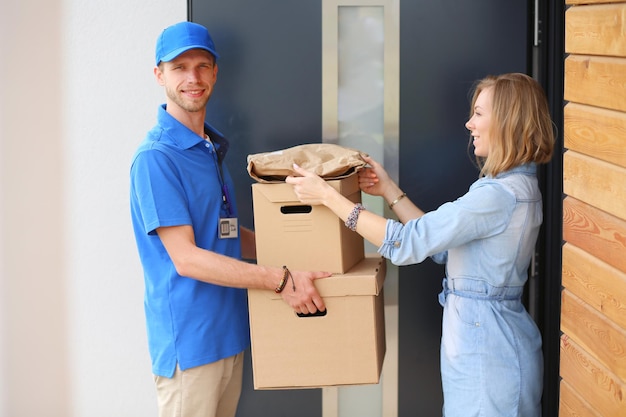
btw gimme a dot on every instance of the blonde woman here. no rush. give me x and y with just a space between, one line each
491 359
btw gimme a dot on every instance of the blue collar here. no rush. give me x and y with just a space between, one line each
185 138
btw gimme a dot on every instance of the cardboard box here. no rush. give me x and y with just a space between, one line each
301 236
344 347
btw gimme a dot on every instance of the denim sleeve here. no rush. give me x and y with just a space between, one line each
440 258
483 211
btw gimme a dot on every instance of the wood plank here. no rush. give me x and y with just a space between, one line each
595 182
596 132
571 404
597 384
594 332
597 81
595 282
596 29
596 232
588 1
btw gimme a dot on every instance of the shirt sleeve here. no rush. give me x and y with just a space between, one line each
158 191
440 258
485 210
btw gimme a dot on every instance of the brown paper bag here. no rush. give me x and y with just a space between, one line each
327 160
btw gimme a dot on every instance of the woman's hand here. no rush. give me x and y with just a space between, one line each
374 180
312 189
309 187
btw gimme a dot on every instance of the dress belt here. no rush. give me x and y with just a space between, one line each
477 290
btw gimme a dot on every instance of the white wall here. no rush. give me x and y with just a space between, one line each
76 96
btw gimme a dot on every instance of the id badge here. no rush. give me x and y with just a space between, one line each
228 228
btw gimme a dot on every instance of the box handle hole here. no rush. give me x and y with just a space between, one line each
316 314
296 209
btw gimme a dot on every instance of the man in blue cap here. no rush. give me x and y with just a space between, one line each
190 244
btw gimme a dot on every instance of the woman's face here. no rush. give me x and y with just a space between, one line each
480 122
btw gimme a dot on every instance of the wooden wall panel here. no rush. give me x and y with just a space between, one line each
602 390
595 333
596 132
595 282
593 299
596 30
572 405
595 182
588 1
596 232
597 81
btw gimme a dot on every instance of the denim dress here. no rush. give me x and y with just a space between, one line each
491 358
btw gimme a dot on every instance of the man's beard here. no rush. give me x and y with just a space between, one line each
190 105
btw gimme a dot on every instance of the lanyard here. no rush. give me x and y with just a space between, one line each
226 202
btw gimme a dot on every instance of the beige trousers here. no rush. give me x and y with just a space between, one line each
210 390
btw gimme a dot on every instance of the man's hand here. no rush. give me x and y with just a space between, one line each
300 292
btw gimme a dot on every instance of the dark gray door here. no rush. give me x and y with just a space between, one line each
269 97
445 46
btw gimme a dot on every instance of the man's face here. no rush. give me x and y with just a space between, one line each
188 79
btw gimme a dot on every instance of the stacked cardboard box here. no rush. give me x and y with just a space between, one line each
344 346
304 237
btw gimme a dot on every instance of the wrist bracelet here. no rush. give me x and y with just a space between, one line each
283 281
353 217
394 202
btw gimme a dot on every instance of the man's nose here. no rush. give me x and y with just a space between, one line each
192 75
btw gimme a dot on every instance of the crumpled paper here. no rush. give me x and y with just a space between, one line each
327 160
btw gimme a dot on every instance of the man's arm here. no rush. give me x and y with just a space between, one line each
248 243
204 265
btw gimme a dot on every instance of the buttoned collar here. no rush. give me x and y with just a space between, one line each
183 137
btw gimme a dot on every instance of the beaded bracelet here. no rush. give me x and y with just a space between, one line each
353 217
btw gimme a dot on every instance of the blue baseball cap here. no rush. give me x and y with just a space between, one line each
182 37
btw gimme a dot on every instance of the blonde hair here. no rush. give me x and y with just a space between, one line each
521 128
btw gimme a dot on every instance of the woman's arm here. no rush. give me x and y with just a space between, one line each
374 180
311 189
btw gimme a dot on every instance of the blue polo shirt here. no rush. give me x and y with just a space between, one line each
175 179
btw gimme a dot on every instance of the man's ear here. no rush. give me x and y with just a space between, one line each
158 74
